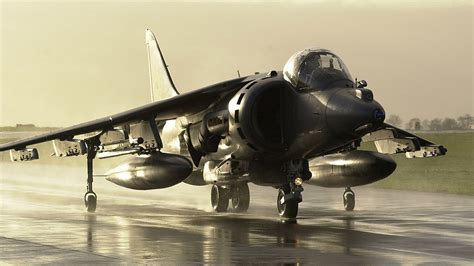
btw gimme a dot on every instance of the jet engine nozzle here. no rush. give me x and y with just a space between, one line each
350 115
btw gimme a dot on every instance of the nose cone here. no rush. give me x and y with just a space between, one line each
353 112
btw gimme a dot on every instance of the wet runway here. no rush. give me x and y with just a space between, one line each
42 220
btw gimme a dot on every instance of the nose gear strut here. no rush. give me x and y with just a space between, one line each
289 195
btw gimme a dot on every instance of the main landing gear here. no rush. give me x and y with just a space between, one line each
239 196
90 198
219 198
348 198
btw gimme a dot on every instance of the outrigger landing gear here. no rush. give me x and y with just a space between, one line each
348 199
288 198
90 198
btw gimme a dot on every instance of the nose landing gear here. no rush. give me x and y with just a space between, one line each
288 198
289 195
348 198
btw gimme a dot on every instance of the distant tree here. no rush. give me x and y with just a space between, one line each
414 124
435 124
425 124
465 121
394 120
449 124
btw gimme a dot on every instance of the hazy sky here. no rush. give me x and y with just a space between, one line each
66 62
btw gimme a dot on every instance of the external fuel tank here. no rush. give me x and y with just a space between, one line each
349 169
157 170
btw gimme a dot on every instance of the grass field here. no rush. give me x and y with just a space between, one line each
453 173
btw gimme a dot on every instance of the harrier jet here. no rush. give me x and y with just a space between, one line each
280 129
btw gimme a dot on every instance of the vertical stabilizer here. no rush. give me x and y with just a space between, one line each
161 84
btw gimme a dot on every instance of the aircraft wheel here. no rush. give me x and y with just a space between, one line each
349 199
241 197
289 209
90 200
219 198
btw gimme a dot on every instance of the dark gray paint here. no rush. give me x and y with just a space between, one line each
270 122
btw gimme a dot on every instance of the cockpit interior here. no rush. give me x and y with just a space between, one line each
315 69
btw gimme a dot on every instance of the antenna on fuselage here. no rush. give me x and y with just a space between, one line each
238 73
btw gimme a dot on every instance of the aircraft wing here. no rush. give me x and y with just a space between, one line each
180 105
389 139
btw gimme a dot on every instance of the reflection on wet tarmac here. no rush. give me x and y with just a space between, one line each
231 238
50 226
220 239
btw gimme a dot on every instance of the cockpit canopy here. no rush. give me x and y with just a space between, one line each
315 69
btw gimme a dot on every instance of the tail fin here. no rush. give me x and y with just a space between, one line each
161 84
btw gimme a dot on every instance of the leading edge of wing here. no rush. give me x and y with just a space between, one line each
403 133
180 105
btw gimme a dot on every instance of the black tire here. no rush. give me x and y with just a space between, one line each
288 210
90 200
349 200
219 198
240 197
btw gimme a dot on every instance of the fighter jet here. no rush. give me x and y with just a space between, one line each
302 125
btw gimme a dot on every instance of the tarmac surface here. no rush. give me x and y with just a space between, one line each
43 220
